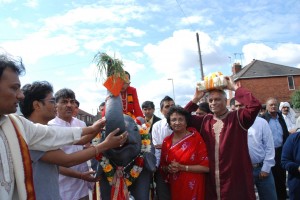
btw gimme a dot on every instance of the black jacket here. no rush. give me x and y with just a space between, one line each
155 119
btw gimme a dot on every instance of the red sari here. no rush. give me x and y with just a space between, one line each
190 150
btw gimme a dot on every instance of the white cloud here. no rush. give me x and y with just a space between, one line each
196 20
39 45
96 44
93 14
6 1
286 54
31 3
135 32
13 22
129 43
179 52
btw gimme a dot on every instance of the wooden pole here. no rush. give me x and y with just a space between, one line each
200 57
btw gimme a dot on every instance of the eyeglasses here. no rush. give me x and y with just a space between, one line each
52 100
66 101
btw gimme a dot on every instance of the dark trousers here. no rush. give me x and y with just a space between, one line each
279 176
162 188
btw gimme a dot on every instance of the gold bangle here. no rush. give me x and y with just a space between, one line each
187 168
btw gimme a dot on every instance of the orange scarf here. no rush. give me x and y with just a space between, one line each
26 160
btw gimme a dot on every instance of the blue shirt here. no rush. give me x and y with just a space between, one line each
261 145
276 131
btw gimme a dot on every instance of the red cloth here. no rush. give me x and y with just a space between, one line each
191 150
133 105
233 160
119 189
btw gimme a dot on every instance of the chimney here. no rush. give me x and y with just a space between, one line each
236 67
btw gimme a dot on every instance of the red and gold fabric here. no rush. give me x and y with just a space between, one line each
131 103
191 150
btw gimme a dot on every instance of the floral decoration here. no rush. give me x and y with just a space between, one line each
138 166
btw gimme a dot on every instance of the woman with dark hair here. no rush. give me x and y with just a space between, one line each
184 159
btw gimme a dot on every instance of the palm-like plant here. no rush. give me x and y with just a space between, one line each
113 68
109 66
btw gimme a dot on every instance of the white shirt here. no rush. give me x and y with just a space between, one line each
261 144
290 123
72 188
160 131
38 137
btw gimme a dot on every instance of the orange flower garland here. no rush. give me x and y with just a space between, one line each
137 168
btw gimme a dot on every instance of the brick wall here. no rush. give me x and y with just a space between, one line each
277 87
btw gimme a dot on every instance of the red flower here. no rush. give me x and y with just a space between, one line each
139 161
99 156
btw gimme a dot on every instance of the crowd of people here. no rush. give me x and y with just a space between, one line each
205 150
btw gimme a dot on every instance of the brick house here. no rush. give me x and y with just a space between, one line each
266 79
86 117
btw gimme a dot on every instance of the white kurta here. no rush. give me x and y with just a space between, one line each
160 131
69 187
38 137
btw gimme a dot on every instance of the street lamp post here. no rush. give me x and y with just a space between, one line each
171 79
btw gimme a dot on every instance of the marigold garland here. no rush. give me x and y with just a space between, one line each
137 168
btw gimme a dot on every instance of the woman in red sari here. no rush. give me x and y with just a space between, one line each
184 159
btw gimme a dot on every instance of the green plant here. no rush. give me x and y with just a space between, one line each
296 99
108 66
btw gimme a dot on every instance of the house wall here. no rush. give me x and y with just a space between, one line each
263 88
86 117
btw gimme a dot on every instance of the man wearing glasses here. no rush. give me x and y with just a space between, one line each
19 135
39 107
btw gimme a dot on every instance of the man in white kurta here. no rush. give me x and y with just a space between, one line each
38 137
17 135
160 130
69 187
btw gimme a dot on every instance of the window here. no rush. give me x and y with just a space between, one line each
291 82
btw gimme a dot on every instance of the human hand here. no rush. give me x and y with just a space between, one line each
99 124
174 167
263 175
231 84
89 176
197 96
114 141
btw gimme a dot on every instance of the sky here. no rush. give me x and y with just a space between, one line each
156 40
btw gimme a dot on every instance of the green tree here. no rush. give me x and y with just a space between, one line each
296 99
